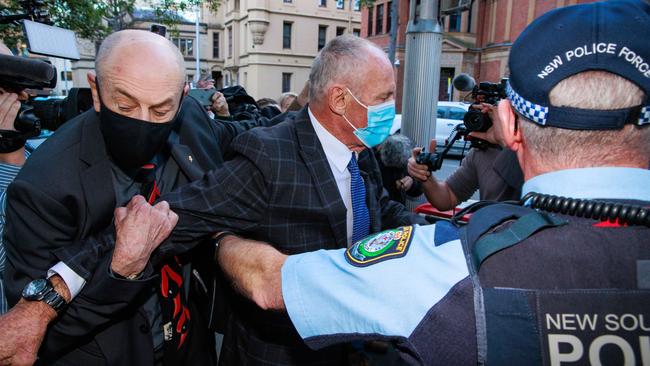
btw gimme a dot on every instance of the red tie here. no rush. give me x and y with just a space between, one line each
175 313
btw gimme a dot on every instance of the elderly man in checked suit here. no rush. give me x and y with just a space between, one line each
308 183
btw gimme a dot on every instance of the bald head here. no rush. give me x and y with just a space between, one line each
141 75
131 45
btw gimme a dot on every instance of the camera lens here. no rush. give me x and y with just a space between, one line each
477 121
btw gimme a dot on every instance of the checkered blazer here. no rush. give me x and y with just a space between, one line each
278 188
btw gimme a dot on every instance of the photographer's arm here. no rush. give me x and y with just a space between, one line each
439 194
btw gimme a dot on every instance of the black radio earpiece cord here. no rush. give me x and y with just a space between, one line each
623 213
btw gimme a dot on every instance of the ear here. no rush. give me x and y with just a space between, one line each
510 134
336 98
92 81
186 89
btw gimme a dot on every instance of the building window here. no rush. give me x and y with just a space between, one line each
322 3
356 32
454 22
389 15
286 35
236 5
288 1
286 82
380 19
370 27
229 42
66 75
357 5
215 45
185 45
340 4
322 36
340 31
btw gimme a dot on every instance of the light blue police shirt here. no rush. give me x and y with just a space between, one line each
326 295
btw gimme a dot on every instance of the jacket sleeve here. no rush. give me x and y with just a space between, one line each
231 198
38 226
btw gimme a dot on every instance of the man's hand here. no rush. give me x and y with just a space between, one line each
219 105
405 183
420 171
22 330
139 229
494 133
9 107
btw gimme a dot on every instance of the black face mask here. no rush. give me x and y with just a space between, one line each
131 142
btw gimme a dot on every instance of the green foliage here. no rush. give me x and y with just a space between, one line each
95 19
367 3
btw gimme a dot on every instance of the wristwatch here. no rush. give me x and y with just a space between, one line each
42 290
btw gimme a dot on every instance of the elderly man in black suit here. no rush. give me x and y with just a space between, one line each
135 142
308 183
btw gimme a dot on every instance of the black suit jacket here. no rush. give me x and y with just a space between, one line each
63 194
278 188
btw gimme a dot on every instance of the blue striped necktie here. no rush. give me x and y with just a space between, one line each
360 216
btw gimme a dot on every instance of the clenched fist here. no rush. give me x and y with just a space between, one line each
139 229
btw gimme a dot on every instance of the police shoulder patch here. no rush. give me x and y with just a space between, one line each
388 244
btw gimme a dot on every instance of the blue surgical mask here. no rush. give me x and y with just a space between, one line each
380 120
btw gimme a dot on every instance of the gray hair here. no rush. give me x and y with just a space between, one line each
340 60
395 151
558 148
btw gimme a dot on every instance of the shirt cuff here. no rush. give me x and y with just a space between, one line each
74 282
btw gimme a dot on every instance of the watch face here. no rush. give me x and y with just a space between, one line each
34 289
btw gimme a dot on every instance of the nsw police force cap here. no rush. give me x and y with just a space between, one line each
611 36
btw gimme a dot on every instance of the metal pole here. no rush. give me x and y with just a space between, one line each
350 17
394 21
197 45
65 77
421 73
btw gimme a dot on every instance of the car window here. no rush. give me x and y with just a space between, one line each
441 112
456 113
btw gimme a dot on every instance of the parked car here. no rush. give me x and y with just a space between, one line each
450 114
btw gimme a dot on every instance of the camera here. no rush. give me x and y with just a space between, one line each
484 92
19 73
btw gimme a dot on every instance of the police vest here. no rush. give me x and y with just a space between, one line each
553 320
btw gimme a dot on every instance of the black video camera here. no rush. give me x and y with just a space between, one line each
484 92
18 73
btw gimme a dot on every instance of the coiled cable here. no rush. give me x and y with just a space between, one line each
623 213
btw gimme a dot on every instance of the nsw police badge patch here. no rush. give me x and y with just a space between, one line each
381 246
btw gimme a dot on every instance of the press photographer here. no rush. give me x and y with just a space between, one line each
488 167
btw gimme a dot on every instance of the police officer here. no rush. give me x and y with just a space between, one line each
563 278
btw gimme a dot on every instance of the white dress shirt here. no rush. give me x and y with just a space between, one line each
338 156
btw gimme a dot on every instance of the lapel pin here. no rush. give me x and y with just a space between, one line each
189 157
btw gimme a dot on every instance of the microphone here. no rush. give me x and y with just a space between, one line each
464 82
23 72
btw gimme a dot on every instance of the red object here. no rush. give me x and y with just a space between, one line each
427 209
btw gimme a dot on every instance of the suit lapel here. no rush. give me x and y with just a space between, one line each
187 162
96 178
315 160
